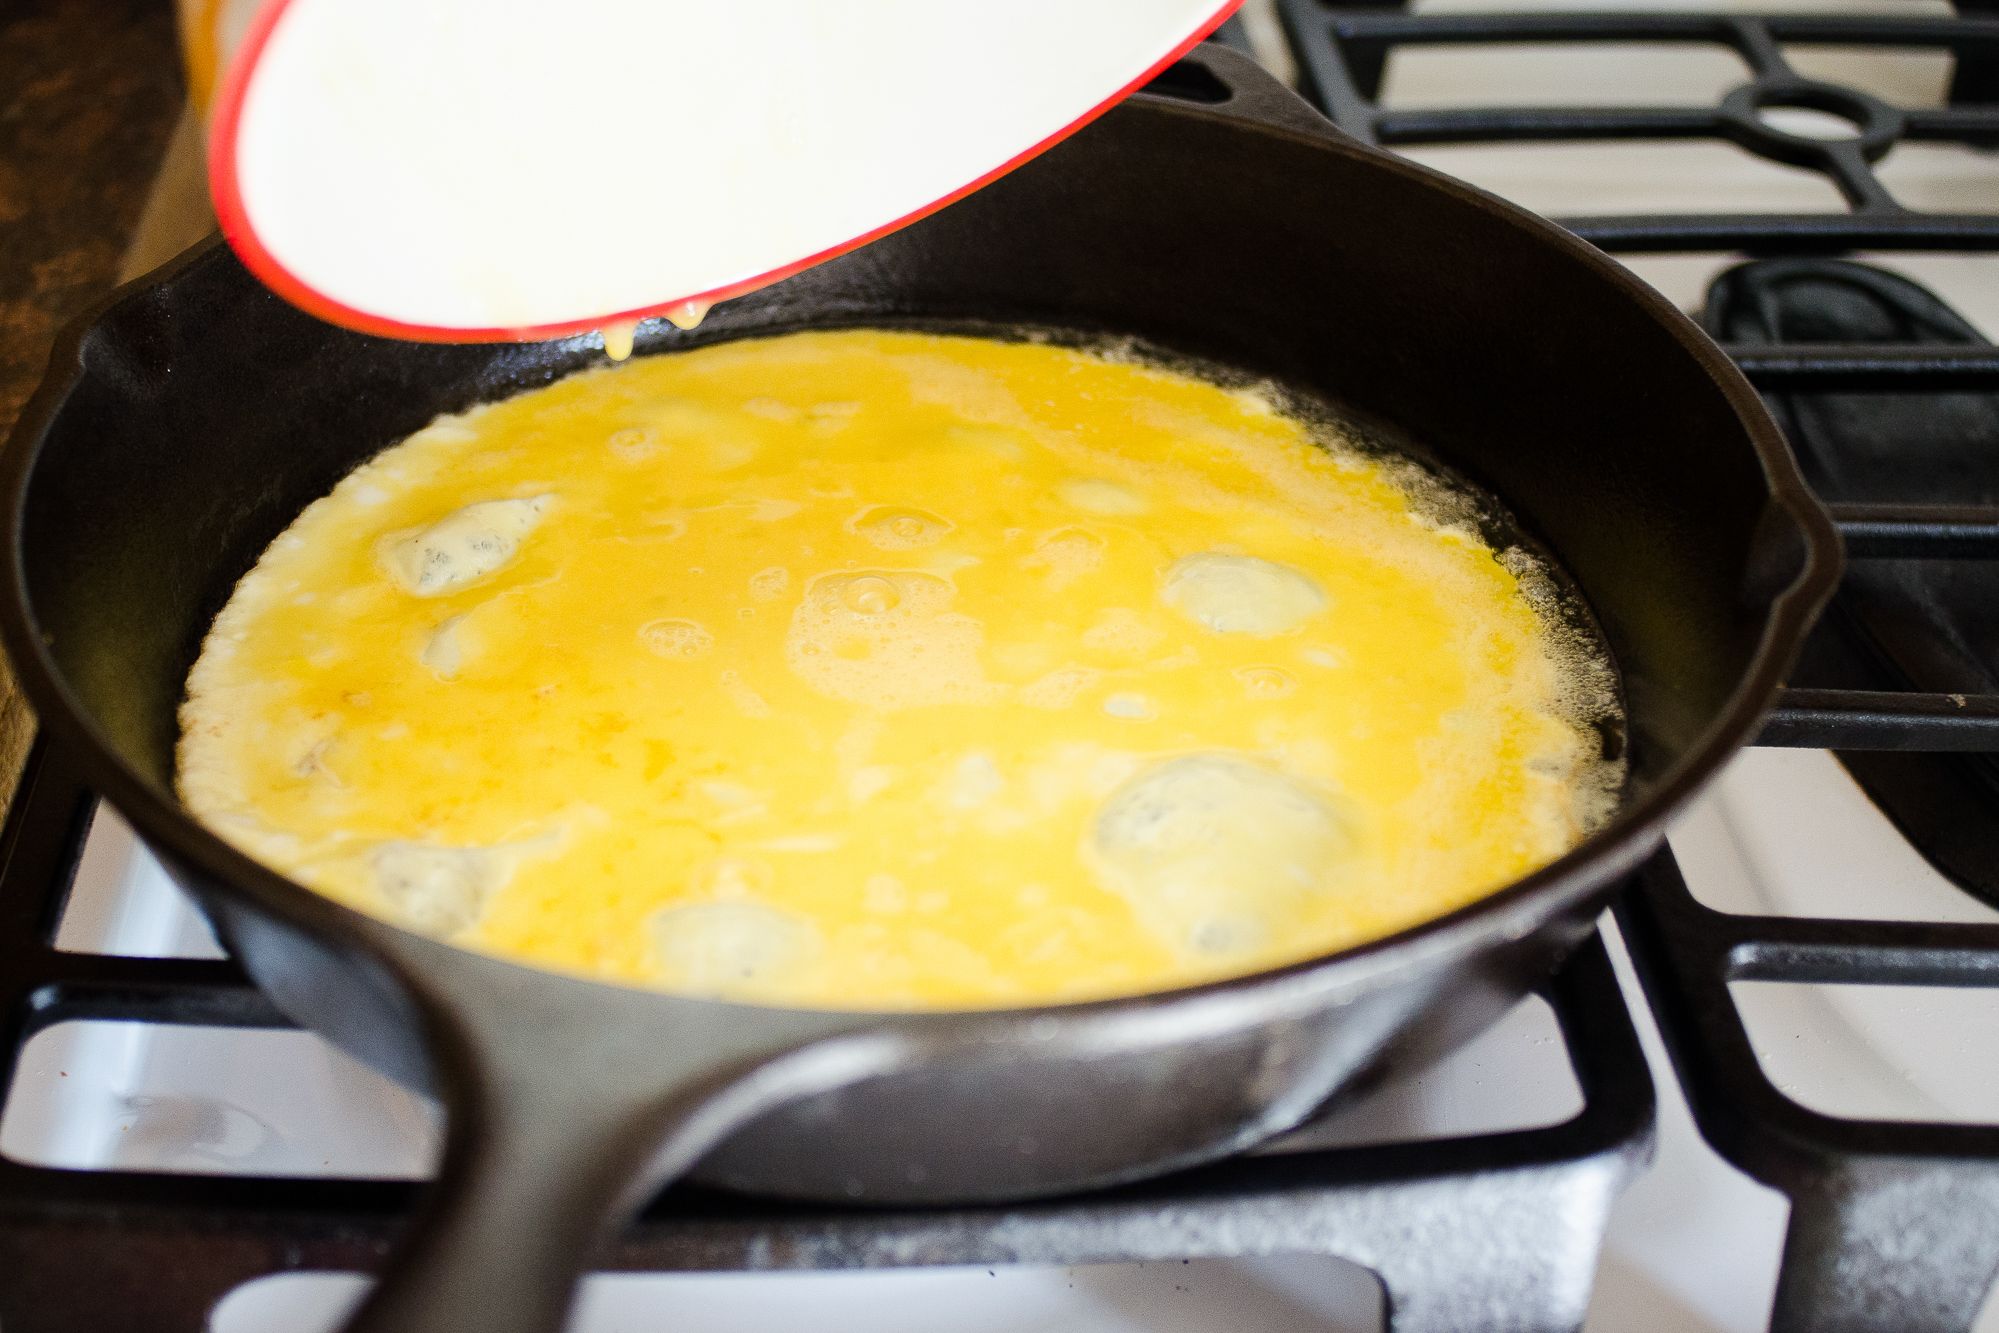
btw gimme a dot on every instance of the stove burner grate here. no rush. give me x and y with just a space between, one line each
1893 1225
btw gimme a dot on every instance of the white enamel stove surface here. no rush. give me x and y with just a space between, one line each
1693 1245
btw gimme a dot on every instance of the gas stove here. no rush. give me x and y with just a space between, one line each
1763 1098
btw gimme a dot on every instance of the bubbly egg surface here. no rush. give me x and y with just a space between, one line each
893 670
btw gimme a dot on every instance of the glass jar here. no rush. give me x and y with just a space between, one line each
210 32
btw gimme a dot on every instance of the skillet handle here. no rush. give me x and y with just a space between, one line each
564 1118
1257 94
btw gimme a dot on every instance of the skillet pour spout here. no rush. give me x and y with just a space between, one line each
188 421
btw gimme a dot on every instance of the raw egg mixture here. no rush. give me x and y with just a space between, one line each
882 669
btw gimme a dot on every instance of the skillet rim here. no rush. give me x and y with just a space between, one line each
1513 910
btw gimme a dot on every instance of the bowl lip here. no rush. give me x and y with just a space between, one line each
1512 912
233 212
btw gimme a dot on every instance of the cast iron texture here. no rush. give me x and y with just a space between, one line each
182 430
1477 1231
1892 1225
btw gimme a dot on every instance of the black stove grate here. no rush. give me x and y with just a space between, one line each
1343 53
1893 1225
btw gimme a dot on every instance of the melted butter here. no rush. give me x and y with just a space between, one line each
886 669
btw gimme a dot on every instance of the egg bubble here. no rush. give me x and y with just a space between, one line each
732 795
893 529
884 894
771 509
772 409
743 695
447 647
722 947
634 444
887 639
870 595
1131 706
1227 936
1067 554
1059 688
1094 495
1217 852
435 889
868 782
1123 633
975 779
1002 444
1241 594
1266 682
677 638
463 546
732 878
665 526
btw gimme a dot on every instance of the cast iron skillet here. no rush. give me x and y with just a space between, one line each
186 426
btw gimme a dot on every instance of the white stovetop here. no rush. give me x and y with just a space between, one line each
1693 1245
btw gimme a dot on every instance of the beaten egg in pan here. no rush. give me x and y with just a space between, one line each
873 669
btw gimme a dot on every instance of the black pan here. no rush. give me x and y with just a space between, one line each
192 420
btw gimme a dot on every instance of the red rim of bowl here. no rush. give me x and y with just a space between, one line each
226 189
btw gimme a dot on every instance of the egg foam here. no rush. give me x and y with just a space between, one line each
897 670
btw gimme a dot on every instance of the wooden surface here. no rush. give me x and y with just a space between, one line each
90 94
